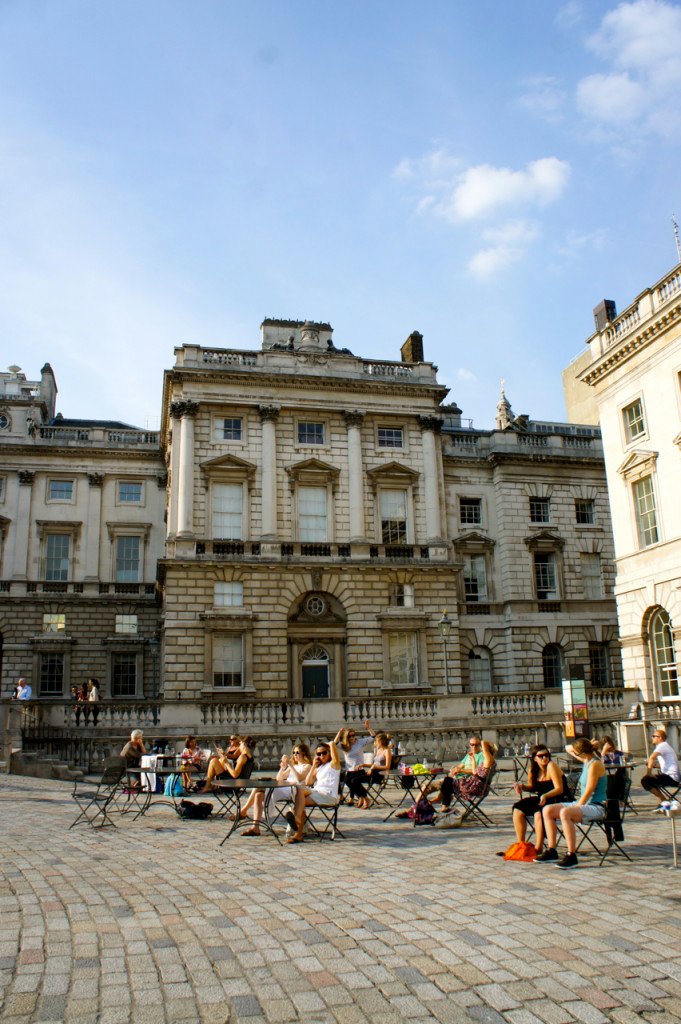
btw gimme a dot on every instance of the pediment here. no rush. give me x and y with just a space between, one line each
228 465
473 539
637 463
544 540
313 470
393 471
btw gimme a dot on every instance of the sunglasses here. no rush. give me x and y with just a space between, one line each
321 753
473 744
542 757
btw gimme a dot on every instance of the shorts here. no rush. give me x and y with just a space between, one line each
590 812
322 799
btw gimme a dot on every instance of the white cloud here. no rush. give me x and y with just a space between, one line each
508 244
467 376
641 43
484 189
570 14
544 98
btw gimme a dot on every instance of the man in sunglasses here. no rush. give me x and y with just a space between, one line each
466 766
320 789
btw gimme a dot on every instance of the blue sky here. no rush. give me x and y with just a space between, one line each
483 172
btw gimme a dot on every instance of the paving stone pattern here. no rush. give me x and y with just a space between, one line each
153 922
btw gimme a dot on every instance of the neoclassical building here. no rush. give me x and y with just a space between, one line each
634 371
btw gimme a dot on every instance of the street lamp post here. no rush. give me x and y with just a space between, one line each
445 627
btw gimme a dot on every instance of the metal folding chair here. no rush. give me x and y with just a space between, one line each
95 800
617 799
472 806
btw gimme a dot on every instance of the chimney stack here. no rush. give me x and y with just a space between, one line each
604 314
412 350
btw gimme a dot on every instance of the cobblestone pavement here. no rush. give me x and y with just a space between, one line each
153 923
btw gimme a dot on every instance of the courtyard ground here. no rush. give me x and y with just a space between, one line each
152 923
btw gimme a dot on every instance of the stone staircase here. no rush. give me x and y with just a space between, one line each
41 766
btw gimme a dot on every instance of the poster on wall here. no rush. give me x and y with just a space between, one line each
574 703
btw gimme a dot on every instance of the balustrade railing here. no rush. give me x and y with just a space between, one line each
487 705
607 699
390 708
220 357
243 715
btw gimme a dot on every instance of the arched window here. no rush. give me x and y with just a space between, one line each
551 666
479 670
664 655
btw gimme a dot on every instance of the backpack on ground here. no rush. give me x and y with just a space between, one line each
174 785
423 812
195 812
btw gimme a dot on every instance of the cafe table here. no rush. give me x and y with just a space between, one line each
410 782
234 790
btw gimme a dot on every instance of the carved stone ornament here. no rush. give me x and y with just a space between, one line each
354 418
313 358
95 479
26 476
183 408
316 579
269 413
162 481
433 423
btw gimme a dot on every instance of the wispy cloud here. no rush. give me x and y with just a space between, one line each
467 376
544 97
640 43
507 245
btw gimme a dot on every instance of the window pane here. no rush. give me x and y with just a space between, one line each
129 492
57 556
584 513
591 576
403 660
470 510
634 423
480 670
393 517
664 655
231 430
402 595
123 675
61 490
540 510
228 595
646 515
551 666
228 661
54 623
228 511
599 662
545 576
126 624
310 433
389 437
312 520
51 675
127 559
474 578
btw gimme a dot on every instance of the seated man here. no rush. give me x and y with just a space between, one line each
664 758
321 787
467 766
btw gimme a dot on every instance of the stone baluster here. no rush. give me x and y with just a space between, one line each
268 416
430 429
353 422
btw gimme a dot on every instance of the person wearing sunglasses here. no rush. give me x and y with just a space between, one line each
546 783
353 747
320 789
468 765
293 769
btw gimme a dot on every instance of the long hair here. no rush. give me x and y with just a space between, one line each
533 773
584 746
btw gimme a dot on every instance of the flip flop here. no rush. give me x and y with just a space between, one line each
294 839
250 832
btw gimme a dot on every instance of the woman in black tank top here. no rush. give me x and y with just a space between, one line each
546 783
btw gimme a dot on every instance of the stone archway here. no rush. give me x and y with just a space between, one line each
317 627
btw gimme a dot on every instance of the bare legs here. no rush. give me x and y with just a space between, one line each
570 816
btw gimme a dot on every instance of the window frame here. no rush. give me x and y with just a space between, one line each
119 623
51 499
630 437
585 511
413 636
383 491
534 502
220 605
661 616
468 595
323 489
538 555
135 655
220 429
382 442
470 503
484 655
641 528
600 652
53 627
49 576
57 656
316 445
241 485
556 668
136 502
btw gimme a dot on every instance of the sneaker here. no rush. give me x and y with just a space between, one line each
291 819
546 856
289 831
568 861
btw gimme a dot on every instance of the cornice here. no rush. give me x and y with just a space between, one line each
630 346
39 455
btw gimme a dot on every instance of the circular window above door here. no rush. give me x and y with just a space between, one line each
315 605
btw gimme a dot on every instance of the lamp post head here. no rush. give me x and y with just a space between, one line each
445 624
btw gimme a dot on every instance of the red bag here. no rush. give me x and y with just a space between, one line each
521 851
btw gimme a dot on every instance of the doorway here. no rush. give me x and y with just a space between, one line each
315 669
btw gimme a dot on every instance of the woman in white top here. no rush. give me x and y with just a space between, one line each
353 748
320 789
294 770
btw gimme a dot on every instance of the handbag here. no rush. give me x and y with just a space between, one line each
521 851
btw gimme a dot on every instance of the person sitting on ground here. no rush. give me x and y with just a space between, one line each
221 767
382 763
545 780
293 770
466 786
665 760
589 806
320 789
468 765
131 755
352 748
609 753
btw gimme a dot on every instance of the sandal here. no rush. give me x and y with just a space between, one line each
295 839
252 831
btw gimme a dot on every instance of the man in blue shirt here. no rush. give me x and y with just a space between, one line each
23 690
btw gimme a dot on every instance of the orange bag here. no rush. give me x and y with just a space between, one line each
521 851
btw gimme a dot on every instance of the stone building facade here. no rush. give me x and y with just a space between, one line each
634 372
81 533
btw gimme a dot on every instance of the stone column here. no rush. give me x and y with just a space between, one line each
430 429
21 529
94 525
268 416
185 504
353 422
174 496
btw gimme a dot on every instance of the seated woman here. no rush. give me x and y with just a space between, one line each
546 781
221 767
353 747
590 805
321 787
132 753
192 760
293 770
382 763
609 752
467 786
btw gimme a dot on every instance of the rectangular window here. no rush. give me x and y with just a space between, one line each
310 433
126 624
231 429
545 576
51 678
540 510
127 559
228 661
228 595
584 512
2 488
599 663
402 595
470 511
474 578
634 421
228 510
123 674
403 659
646 514
591 576
129 492
312 514
390 437
60 490
57 547
54 623
393 505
